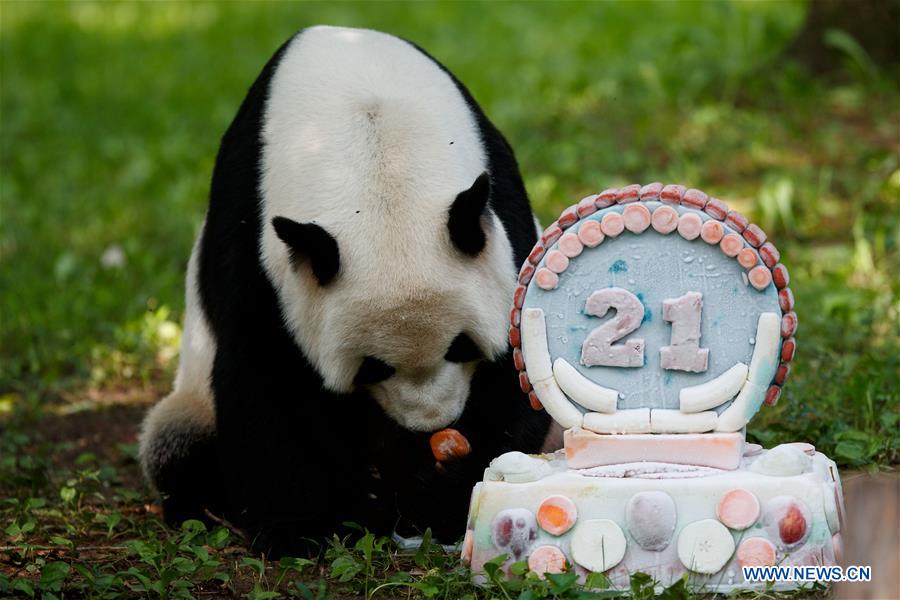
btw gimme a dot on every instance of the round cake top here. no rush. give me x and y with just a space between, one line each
653 309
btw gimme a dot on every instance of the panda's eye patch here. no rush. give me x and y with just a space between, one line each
463 349
372 371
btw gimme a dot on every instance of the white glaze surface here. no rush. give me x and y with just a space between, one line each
634 420
663 420
534 345
582 390
695 493
766 349
557 405
743 408
714 392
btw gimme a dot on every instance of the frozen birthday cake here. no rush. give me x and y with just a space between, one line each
652 323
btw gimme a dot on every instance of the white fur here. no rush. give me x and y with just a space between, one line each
189 408
357 138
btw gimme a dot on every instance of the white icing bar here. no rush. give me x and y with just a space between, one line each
715 391
582 390
558 406
765 353
586 449
674 421
634 420
743 408
534 345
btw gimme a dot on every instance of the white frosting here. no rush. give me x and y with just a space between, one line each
783 460
765 353
664 420
744 406
715 391
635 420
517 467
555 402
534 345
582 390
612 492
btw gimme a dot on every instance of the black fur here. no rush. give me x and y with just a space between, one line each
463 349
464 220
309 241
289 481
372 371
181 463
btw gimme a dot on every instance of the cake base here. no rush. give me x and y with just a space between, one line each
782 506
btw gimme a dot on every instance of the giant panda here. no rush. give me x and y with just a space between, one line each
348 295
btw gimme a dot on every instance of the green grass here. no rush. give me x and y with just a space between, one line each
110 116
82 530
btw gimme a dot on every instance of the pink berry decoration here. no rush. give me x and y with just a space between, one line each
738 509
689 225
557 514
747 258
736 221
671 194
514 530
756 552
637 218
731 244
547 559
664 219
547 279
716 208
612 224
556 261
787 519
586 207
629 193
754 235
760 277
590 234
712 232
651 191
570 245
695 199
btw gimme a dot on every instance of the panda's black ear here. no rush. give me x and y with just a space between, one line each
308 241
464 222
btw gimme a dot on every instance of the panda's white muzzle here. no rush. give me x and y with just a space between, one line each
429 404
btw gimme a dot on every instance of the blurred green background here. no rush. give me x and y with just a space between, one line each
112 113
110 117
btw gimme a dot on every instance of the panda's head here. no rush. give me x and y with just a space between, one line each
393 272
402 310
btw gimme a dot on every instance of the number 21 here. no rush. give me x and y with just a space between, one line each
682 354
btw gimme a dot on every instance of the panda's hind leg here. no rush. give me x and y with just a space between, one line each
178 445
179 456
